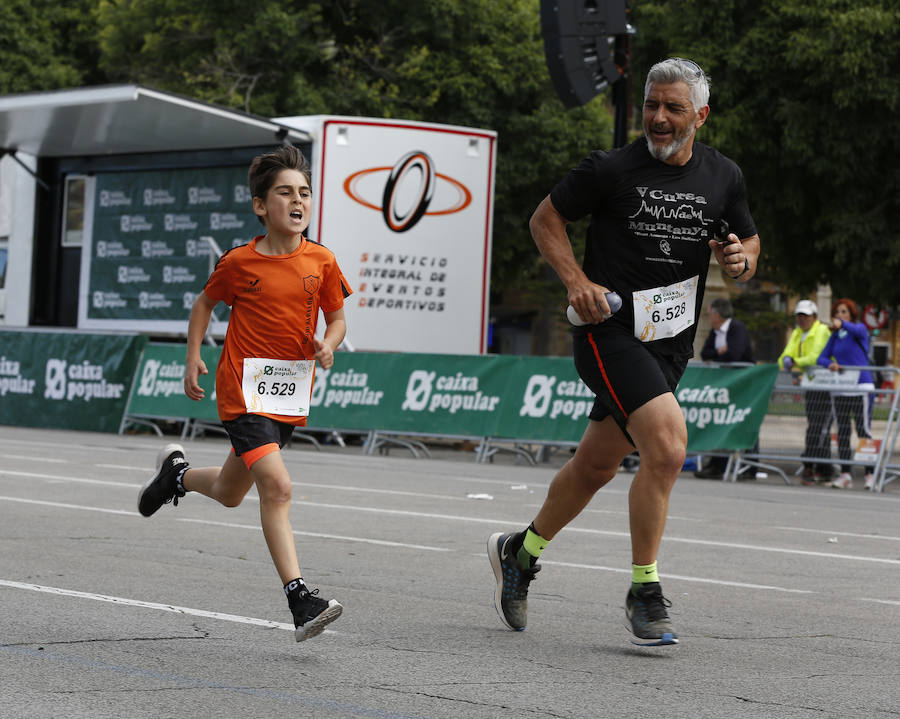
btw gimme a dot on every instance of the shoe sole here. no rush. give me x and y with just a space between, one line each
160 458
317 625
493 551
666 640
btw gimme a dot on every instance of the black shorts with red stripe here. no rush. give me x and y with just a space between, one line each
623 372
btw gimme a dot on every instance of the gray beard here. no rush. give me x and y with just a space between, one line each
666 151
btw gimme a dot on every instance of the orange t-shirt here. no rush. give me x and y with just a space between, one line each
275 301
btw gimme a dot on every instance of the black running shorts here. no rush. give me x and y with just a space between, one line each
252 431
623 372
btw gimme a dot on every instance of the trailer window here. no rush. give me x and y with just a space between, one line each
73 216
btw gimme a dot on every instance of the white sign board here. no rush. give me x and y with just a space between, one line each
407 209
822 378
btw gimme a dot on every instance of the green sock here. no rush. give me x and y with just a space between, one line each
643 574
532 547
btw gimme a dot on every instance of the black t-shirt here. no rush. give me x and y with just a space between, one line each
650 225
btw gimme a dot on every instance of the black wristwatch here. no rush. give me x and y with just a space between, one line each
745 271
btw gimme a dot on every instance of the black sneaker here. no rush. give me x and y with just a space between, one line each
511 595
648 618
312 614
163 488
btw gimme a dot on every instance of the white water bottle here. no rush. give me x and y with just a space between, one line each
612 299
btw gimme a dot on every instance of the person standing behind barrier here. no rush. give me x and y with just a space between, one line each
729 338
275 286
802 352
849 346
653 205
728 341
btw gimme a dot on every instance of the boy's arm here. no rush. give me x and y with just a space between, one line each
335 329
194 365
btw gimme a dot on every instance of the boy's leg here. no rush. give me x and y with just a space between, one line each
273 483
227 484
274 486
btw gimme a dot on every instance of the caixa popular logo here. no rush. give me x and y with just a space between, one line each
408 191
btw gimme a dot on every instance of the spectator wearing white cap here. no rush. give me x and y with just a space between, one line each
803 349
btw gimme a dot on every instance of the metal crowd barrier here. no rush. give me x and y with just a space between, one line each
796 408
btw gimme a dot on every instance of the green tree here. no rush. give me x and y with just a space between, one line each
253 56
45 45
804 99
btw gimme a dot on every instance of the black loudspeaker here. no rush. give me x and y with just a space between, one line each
577 36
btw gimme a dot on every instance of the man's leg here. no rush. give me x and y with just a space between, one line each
596 461
601 450
660 434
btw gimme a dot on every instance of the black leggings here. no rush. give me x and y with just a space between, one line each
821 408
856 405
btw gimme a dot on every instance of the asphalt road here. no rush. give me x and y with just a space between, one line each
786 599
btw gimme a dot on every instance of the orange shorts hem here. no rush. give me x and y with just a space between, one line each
254 455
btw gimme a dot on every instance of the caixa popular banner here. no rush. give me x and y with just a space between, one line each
537 399
158 388
725 406
66 380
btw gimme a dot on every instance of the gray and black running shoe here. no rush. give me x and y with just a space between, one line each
648 620
511 595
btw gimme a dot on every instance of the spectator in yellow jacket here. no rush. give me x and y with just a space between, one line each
803 348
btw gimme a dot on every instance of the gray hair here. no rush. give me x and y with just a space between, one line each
723 307
677 69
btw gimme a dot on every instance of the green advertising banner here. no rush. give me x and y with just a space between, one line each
545 399
724 407
147 255
500 396
66 380
158 389
539 398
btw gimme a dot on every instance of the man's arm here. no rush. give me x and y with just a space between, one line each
548 229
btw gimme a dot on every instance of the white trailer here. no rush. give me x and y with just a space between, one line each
111 197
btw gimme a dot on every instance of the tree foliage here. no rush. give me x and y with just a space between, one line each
804 98
46 45
804 93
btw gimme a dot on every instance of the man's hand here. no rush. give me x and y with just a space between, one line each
730 256
589 301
